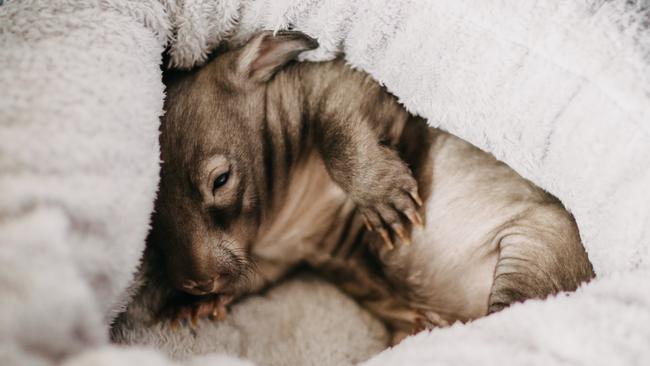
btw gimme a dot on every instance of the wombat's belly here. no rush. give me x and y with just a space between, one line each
450 267
316 219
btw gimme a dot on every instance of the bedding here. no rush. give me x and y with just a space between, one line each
559 90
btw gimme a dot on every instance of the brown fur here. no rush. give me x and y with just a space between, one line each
312 150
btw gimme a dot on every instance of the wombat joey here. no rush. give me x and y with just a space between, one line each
269 164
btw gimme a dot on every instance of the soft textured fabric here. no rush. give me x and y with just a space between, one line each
80 97
304 321
559 90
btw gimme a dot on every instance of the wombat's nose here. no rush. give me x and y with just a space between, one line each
212 285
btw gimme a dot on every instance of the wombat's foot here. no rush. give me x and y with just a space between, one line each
390 199
420 321
429 320
185 309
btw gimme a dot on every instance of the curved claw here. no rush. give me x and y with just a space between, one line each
401 233
366 222
194 319
388 242
189 311
415 218
416 198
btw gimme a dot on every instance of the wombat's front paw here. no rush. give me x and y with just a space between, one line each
389 200
187 309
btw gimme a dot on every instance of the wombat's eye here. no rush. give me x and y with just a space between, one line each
220 181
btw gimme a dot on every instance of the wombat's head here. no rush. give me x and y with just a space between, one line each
213 181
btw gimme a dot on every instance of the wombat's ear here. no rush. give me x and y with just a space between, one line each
267 52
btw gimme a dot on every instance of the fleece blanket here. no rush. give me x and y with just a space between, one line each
559 90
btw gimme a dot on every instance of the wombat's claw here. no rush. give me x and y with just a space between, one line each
390 207
386 237
428 320
416 198
366 222
415 218
401 233
213 307
220 310
387 221
397 228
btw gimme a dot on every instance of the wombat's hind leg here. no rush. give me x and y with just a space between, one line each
358 277
535 262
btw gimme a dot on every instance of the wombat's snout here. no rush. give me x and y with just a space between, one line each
205 269
213 285
205 276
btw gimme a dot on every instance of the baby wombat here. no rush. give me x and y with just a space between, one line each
269 164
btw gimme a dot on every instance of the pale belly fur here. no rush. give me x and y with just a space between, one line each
449 269
450 266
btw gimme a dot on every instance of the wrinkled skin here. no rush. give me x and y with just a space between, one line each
268 164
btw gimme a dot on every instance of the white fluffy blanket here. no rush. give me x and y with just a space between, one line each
558 89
